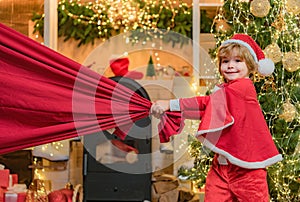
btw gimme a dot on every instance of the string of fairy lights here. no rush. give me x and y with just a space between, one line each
280 21
113 17
122 14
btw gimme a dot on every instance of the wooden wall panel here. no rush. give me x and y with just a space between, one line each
17 13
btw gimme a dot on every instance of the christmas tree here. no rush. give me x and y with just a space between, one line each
275 26
150 68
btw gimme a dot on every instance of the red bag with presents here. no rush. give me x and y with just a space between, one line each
67 195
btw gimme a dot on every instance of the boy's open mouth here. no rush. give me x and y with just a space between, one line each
232 72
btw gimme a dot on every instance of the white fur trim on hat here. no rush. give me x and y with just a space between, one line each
266 67
243 43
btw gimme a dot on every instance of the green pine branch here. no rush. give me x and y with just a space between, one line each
76 20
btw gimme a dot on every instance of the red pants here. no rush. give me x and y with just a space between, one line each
225 183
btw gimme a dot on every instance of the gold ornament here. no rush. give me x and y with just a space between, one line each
269 83
260 8
289 112
293 6
273 52
36 192
291 61
222 26
279 23
257 77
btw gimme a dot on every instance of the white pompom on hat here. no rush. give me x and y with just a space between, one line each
265 65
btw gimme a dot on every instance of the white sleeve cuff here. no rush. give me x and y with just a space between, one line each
174 105
216 88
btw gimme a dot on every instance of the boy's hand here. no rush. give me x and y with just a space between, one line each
159 107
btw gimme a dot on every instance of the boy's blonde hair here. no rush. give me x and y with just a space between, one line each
227 49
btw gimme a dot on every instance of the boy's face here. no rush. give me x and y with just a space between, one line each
233 67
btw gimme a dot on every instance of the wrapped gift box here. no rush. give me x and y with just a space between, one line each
16 193
4 178
14 197
2 191
13 179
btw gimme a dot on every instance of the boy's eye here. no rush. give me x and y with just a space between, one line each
225 61
238 59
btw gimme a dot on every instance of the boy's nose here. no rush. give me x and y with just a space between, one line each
230 65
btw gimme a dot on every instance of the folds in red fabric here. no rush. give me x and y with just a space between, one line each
171 123
48 97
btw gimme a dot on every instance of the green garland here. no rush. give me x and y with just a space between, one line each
86 22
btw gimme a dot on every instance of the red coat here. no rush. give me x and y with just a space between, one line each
232 124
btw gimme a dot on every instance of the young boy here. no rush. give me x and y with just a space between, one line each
232 125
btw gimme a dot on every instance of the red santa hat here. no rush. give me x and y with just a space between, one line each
119 66
265 65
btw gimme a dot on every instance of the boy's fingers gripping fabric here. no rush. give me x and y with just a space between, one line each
156 110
